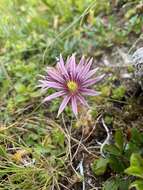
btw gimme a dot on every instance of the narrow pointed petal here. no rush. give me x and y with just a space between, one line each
81 63
55 85
63 104
87 67
90 82
73 67
53 96
43 87
55 75
91 73
82 100
67 62
90 92
61 66
84 70
74 105
49 84
43 84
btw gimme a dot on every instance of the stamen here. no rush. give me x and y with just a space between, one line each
72 86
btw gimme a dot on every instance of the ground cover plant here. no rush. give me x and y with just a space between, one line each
100 148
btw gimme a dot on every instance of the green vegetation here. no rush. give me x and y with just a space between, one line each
117 158
39 151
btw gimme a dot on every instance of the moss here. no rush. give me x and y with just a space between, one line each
119 93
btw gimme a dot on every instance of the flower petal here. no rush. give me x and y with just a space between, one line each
55 95
43 84
55 85
84 70
87 67
81 63
91 73
55 75
74 105
90 82
73 67
67 62
90 92
82 100
63 104
61 66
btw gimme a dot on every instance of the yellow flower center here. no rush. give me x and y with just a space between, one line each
72 86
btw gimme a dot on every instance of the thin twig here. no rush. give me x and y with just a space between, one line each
106 141
81 170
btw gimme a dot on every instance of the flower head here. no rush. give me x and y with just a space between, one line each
72 81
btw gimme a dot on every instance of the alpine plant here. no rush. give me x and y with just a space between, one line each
72 82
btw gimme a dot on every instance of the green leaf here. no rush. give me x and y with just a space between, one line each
116 184
136 136
99 166
108 185
117 163
131 148
136 166
112 149
138 184
119 140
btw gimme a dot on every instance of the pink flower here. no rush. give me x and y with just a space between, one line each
72 81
